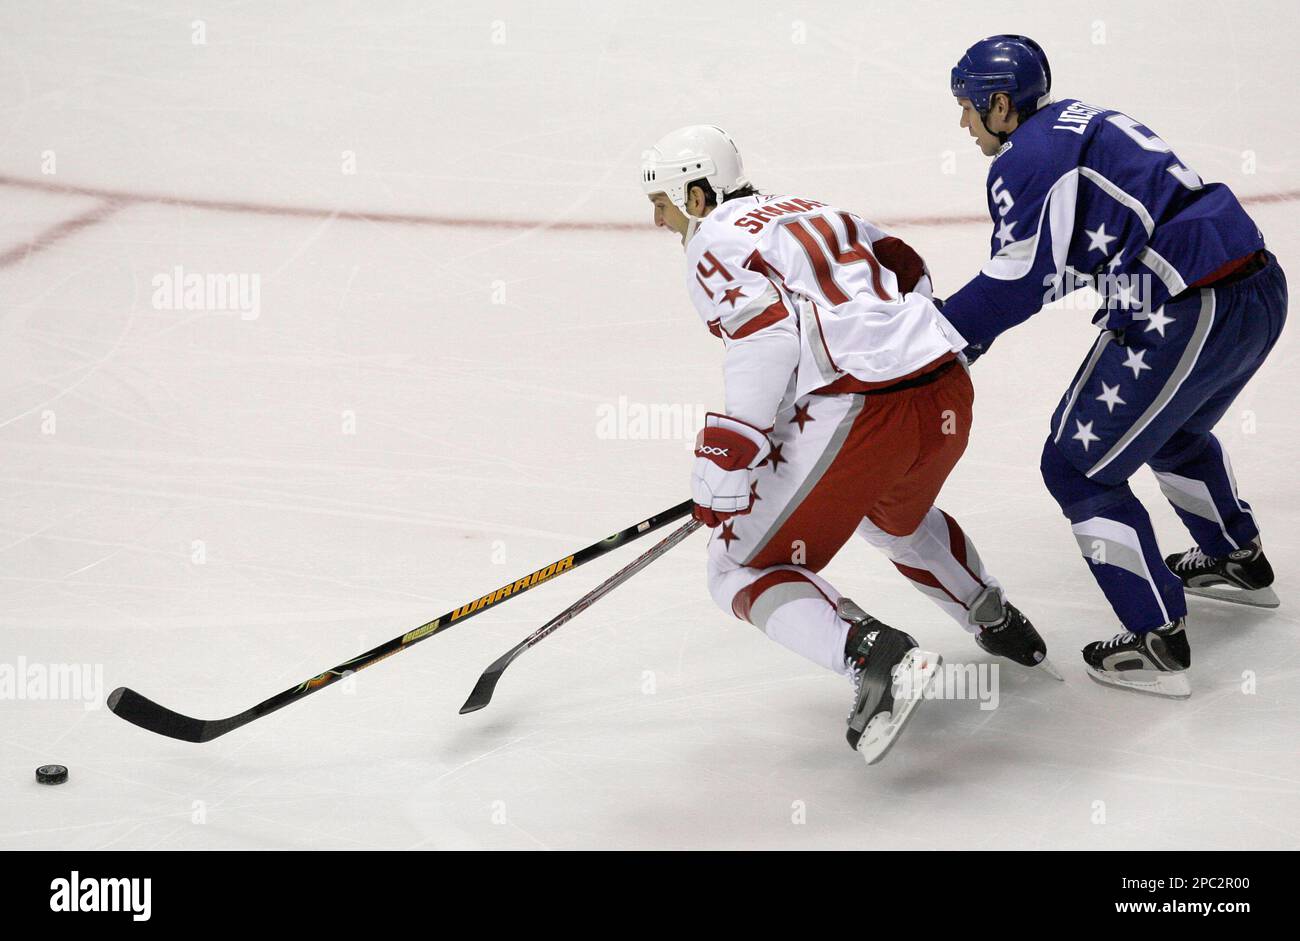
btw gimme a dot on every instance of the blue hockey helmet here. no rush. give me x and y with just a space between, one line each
1013 64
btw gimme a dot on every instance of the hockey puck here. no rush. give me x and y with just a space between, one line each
51 774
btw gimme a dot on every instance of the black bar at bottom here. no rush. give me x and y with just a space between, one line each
319 892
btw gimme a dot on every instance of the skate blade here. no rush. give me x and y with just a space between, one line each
1255 597
1150 682
1048 667
878 737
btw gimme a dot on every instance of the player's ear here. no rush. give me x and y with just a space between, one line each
694 198
1002 105
696 201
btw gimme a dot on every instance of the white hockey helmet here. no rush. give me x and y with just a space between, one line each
698 151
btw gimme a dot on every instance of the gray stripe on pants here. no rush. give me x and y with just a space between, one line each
1084 376
1113 553
1187 501
814 476
778 595
1186 363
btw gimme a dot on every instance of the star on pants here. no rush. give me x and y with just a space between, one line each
1135 362
728 534
1110 395
1084 434
1158 321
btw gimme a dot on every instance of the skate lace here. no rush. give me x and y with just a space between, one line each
1192 558
855 676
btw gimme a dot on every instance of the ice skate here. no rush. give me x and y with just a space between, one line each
1155 662
890 673
1241 577
1006 632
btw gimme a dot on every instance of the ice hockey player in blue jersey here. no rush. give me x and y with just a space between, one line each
1192 302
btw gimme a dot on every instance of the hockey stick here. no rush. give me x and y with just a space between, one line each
147 714
487 683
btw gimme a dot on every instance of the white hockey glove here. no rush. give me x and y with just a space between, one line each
726 450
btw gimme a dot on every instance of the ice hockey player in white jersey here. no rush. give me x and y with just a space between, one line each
847 405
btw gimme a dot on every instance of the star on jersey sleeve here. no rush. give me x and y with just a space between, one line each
1095 199
1032 229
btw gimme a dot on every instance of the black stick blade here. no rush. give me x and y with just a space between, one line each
148 715
483 690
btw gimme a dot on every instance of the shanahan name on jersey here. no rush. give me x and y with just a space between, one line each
804 294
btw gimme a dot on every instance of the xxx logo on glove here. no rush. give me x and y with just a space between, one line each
710 450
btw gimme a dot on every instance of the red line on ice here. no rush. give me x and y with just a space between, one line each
58 232
118 198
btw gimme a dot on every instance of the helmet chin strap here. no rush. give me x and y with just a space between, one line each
984 119
692 223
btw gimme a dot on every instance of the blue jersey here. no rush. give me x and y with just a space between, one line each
1081 195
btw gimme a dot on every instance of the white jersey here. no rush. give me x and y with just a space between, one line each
803 294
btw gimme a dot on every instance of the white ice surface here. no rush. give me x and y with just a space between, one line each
653 720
